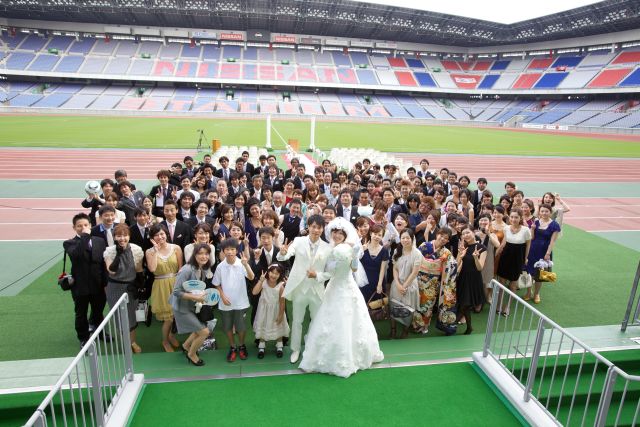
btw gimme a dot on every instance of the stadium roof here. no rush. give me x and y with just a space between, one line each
341 18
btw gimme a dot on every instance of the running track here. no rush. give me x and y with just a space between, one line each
49 218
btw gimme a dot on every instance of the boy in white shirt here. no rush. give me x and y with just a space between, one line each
233 295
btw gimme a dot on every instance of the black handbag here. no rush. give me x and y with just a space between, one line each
65 281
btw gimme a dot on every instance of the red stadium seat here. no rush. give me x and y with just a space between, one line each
482 65
526 81
609 78
540 64
450 65
627 57
405 78
397 62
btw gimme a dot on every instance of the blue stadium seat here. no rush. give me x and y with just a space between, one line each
424 79
366 77
69 64
44 62
550 80
632 80
500 65
488 81
567 61
414 63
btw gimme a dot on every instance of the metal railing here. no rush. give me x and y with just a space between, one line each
632 316
91 386
568 380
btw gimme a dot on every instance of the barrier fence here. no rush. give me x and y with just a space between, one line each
99 379
551 376
632 315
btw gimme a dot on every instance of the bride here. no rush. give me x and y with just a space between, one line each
341 338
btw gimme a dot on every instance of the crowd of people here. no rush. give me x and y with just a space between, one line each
429 245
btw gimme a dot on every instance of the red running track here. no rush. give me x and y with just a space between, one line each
17 163
604 214
541 169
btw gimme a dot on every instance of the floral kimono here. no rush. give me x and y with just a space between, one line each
433 267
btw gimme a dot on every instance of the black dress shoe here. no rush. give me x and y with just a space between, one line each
200 362
279 353
261 353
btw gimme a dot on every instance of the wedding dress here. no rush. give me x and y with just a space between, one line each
341 338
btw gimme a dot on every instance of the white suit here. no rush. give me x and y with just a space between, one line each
301 290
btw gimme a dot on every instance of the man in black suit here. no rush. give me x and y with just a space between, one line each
346 209
263 167
105 230
248 167
256 187
274 182
476 195
424 169
89 276
202 215
189 168
224 172
278 203
129 201
215 206
179 232
209 175
259 260
185 206
290 173
139 231
162 192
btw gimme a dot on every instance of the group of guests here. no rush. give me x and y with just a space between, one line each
430 244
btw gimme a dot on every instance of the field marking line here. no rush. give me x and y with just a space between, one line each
611 231
33 223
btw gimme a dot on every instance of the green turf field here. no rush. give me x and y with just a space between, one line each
424 395
128 132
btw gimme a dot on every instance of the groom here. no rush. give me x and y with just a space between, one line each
305 286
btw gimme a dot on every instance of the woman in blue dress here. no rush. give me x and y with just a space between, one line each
374 261
544 233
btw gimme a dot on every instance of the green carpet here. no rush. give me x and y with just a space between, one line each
100 132
594 278
424 395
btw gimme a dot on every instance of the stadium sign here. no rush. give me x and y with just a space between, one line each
203 35
310 40
232 36
284 39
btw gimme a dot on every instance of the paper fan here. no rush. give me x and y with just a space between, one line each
211 296
193 285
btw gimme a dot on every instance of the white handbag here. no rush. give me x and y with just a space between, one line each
525 281
141 311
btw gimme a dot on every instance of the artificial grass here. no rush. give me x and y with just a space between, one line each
594 280
149 132
391 397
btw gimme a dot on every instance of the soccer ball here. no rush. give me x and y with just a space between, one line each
92 187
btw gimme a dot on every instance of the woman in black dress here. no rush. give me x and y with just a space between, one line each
469 285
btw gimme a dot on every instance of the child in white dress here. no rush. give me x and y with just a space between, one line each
271 320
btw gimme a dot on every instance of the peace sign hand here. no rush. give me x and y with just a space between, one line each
256 253
285 247
263 275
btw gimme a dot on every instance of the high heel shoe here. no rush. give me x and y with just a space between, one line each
468 331
200 362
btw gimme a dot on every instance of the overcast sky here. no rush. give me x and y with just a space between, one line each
503 11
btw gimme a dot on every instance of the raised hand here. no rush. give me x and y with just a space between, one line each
256 253
263 275
285 247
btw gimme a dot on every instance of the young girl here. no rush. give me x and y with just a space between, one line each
271 320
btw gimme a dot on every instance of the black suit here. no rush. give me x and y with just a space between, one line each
353 215
283 210
101 232
252 192
181 217
90 278
258 267
276 185
261 170
220 173
182 235
94 204
249 168
159 210
129 205
139 239
193 221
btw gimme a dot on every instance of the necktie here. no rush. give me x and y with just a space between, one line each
109 237
268 255
226 175
171 228
164 193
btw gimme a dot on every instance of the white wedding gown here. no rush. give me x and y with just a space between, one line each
341 338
